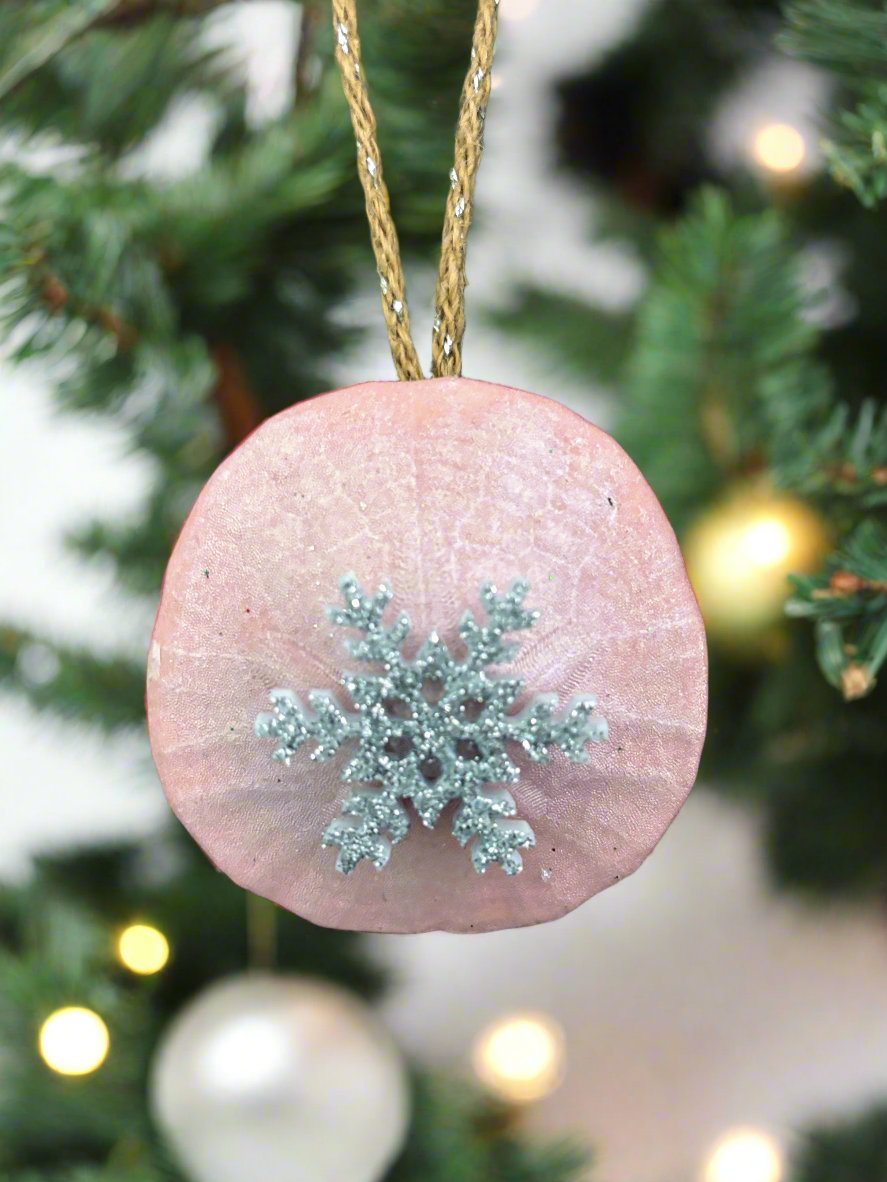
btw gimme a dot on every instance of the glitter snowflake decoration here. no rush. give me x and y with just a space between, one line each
430 730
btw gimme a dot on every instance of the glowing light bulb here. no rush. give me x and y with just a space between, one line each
745 1155
766 542
143 949
779 147
520 1057
517 10
74 1041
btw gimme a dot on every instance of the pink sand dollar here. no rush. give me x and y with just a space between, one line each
436 487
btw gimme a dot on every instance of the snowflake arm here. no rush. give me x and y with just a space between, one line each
483 821
538 729
360 833
291 725
505 613
364 612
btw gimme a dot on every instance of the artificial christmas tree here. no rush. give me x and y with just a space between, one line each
191 308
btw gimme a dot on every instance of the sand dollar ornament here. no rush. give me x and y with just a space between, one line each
427 657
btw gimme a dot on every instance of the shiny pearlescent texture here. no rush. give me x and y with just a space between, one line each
435 486
267 1078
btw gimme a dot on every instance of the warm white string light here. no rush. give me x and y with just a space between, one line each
520 1057
74 1041
779 148
745 1155
143 949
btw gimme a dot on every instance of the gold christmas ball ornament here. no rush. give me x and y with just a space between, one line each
739 555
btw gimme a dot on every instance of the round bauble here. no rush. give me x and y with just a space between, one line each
439 488
740 553
280 1079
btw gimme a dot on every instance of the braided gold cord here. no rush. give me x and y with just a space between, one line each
449 319
449 300
378 205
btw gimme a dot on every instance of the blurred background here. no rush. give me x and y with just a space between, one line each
679 233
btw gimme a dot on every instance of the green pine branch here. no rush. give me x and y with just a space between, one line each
852 1151
45 1117
100 1173
131 12
723 364
457 1132
725 382
72 681
591 343
842 462
48 29
848 603
56 60
849 38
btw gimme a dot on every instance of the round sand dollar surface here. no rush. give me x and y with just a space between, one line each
435 487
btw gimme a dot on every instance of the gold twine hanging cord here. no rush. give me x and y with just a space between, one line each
449 318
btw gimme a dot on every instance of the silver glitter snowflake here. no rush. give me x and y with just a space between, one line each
430 730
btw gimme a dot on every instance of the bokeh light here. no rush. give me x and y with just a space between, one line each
143 949
74 1041
765 542
745 1155
779 147
520 1057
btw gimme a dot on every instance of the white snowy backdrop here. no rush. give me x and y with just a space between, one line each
693 1001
